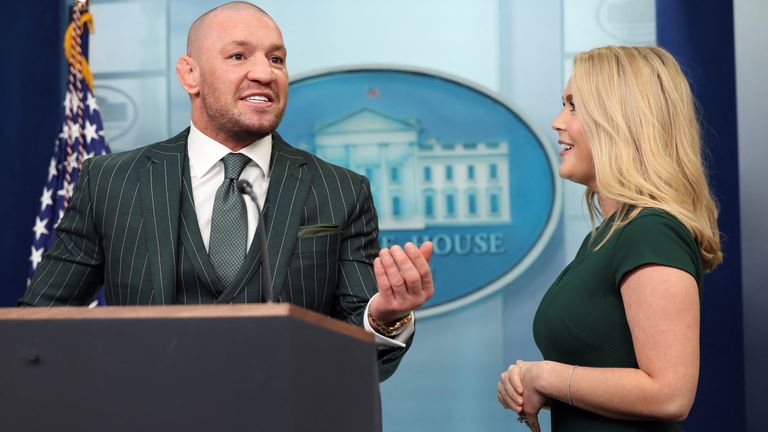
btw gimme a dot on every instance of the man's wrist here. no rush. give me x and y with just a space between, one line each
392 328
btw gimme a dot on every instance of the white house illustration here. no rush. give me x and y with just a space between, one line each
418 185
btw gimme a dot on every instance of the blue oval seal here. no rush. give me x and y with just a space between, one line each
448 162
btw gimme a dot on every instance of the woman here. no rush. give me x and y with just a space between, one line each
619 328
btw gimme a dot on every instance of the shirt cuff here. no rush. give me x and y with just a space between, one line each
384 342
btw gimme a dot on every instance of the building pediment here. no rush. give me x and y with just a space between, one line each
367 120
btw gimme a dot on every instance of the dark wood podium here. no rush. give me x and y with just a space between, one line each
185 368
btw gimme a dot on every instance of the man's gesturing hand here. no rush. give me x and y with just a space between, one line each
404 281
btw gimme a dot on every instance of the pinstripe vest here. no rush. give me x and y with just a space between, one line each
197 281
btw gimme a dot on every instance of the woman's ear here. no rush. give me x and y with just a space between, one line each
188 72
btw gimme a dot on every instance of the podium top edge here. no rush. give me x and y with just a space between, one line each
185 312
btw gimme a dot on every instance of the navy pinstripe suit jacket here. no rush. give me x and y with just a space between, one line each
122 230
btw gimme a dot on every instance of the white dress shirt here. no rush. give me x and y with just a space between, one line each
206 170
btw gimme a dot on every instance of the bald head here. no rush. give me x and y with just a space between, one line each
235 74
197 29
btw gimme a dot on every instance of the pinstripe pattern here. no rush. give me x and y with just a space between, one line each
131 226
197 276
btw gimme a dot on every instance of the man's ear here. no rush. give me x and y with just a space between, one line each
188 72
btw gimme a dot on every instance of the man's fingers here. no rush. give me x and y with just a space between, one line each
426 249
382 281
404 276
408 271
392 272
421 266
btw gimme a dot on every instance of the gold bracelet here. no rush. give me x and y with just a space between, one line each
390 330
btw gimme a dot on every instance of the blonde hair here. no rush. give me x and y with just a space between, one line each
639 118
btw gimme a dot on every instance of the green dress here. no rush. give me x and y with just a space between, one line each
581 318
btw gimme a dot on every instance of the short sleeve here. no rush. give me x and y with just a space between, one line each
655 238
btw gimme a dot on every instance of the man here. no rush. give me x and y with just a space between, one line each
163 224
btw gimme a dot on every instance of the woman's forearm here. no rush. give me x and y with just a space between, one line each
620 393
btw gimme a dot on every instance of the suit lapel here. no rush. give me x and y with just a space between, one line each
288 188
160 190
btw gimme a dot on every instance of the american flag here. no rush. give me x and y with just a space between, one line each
81 136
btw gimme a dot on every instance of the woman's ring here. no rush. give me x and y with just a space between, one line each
522 419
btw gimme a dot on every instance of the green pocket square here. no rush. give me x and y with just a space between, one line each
317 230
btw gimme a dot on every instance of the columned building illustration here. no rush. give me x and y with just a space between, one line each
415 184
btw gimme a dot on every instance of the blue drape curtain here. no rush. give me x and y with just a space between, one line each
700 34
32 78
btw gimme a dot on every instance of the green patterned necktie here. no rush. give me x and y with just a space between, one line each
229 223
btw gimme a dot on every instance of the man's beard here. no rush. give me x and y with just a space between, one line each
235 124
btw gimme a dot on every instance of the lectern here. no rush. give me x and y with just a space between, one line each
220 368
